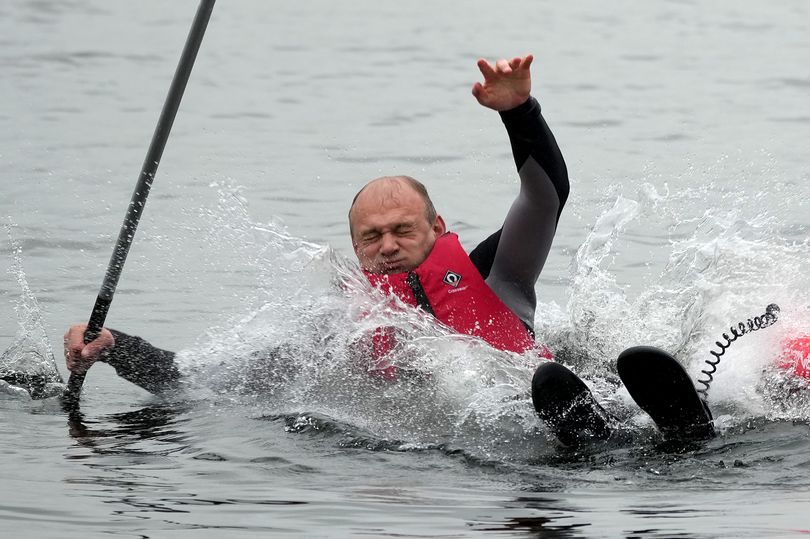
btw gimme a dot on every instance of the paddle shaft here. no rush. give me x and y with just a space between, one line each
136 205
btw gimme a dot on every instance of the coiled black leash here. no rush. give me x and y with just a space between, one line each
753 324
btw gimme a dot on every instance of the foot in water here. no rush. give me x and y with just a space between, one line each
567 406
662 388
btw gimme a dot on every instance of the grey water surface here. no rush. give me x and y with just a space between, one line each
685 127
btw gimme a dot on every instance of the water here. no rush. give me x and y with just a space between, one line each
684 127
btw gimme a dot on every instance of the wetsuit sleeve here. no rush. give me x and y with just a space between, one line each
137 361
484 254
519 250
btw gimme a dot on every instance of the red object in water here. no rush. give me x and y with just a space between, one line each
796 356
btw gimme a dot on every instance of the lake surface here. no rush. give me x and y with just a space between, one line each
685 127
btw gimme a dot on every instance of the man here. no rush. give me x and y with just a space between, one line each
404 248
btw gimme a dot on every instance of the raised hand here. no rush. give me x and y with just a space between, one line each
506 84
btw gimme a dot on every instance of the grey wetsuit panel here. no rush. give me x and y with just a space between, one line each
519 251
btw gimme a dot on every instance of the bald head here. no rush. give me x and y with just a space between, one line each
393 224
388 190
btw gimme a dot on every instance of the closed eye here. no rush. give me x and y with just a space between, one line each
404 230
370 237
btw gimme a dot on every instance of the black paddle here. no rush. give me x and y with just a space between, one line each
74 386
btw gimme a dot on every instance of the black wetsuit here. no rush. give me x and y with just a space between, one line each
510 260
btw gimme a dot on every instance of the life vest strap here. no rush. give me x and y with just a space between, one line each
419 293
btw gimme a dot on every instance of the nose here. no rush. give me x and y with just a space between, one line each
389 245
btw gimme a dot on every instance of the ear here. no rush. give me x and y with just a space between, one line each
439 228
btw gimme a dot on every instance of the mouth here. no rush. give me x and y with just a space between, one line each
392 266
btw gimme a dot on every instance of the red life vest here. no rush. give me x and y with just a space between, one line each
796 356
448 285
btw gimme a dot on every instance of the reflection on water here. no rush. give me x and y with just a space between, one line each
153 422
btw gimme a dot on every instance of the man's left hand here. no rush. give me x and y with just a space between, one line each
506 84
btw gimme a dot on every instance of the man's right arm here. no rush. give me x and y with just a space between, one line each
134 359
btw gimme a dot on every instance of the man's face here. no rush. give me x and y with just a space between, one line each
391 233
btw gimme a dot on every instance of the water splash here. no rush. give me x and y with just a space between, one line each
295 348
27 368
300 341
722 265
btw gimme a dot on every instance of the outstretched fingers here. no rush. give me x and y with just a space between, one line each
506 84
521 64
486 69
477 89
502 66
